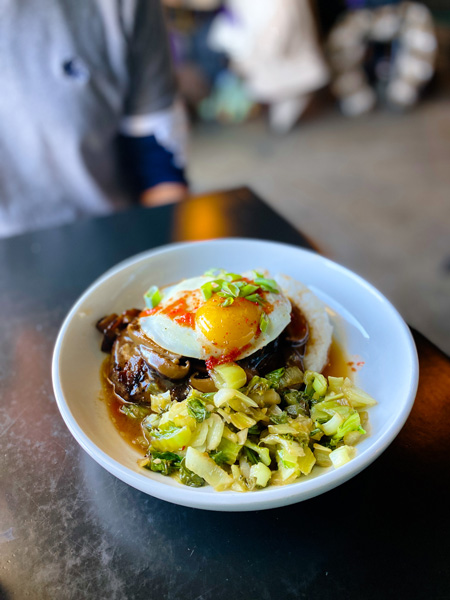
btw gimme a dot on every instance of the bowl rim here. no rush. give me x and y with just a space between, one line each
235 501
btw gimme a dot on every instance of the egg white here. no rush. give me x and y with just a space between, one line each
191 342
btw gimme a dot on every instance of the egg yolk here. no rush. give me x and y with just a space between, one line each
231 326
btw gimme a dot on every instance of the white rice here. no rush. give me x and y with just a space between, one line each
320 328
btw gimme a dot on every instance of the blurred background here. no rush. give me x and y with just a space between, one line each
338 115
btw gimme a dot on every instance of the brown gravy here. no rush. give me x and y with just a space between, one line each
337 365
129 429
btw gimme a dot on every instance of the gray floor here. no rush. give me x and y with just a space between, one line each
373 193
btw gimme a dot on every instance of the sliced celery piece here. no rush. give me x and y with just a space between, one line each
307 462
170 438
261 473
152 297
263 453
204 466
342 455
229 375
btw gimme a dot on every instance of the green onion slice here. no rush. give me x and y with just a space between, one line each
264 322
268 285
214 272
229 300
248 289
207 290
233 276
255 298
231 285
231 289
257 275
152 297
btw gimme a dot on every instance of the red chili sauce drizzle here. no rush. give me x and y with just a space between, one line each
267 308
355 366
231 356
177 311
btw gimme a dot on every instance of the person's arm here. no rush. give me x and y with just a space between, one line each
164 193
155 161
154 127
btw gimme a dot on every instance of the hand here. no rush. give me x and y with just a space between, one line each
164 193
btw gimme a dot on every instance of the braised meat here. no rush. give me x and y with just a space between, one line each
139 367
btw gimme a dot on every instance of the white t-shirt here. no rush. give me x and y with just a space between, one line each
73 73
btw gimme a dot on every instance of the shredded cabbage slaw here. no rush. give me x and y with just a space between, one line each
245 436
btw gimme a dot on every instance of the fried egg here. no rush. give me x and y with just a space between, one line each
187 323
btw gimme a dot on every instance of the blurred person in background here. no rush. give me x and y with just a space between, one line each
273 45
89 117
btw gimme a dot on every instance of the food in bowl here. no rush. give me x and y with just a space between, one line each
220 380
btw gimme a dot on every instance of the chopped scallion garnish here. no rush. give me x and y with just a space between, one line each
264 322
233 276
213 272
231 289
255 298
152 297
268 285
231 285
228 301
256 275
248 289
207 290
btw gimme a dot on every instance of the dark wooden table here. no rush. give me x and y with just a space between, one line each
70 530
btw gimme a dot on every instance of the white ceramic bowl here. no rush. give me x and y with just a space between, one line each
370 328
